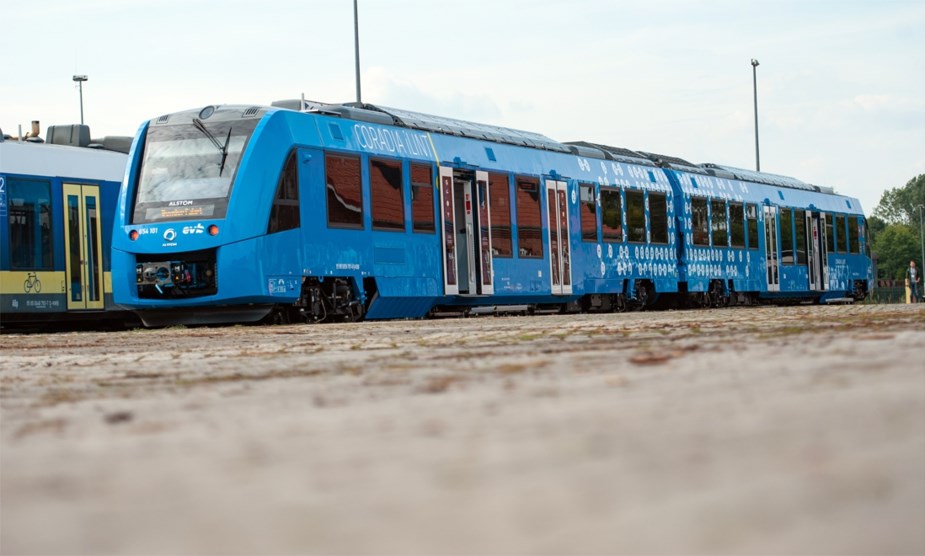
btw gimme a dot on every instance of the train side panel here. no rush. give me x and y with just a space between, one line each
57 206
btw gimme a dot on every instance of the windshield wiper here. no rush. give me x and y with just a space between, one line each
221 148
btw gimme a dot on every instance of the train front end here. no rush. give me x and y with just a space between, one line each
188 228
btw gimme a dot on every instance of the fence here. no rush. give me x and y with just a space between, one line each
888 291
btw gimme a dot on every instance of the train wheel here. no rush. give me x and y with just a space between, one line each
642 296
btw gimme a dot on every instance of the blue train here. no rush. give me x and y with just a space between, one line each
57 201
314 212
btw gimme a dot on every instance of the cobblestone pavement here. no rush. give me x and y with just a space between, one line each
794 430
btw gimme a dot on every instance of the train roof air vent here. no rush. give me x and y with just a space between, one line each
614 153
674 163
762 177
163 119
250 112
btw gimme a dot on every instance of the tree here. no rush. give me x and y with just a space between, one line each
894 228
900 205
895 246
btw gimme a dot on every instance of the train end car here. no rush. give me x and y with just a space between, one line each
57 202
758 236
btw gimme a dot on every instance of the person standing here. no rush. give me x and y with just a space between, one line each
913 277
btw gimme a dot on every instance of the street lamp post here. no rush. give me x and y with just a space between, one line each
356 46
80 85
755 90
922 238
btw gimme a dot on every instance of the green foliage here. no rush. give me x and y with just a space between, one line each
875 226
894 228
900 205
895 246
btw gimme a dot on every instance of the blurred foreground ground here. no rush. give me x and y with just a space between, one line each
797 430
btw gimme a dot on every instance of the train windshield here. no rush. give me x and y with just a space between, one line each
187 170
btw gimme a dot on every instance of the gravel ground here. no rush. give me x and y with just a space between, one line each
797 430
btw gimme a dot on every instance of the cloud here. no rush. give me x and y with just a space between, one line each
428 95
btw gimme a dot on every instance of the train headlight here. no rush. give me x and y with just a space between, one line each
133 235
213 230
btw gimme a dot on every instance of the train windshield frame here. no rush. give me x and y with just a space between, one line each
188 170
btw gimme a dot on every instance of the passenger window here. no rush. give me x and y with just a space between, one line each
699 223
854 245
799 225
529 219
658 217
422 198
29 203
736 225
502 243
718 223
635 216
285 212
841 236
611 215
588 210
385 194
829 233
344 191
751 214
786 236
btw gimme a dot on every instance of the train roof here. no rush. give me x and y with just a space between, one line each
50 160
613 153
427 122
765 178
385 115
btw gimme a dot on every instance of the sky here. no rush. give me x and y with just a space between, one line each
840 85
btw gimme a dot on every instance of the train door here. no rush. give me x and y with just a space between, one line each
771 250
83 241
467 256
816 251
560 259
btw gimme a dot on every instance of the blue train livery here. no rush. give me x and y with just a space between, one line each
314 212
57 201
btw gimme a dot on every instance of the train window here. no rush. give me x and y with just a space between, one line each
700 227
658 217
799 226
529 218
422 198
588 210
29 205
719 223
786 236
611 215
736 225
841 238
854 245
499 195
385 194
195 163
345 191
829 234
635 216
285 212
751 214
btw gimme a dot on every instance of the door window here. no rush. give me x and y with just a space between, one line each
30 224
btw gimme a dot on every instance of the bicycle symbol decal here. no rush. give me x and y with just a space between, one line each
32 283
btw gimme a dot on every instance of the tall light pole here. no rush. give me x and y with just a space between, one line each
80 85
922 240
356 46
755 90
